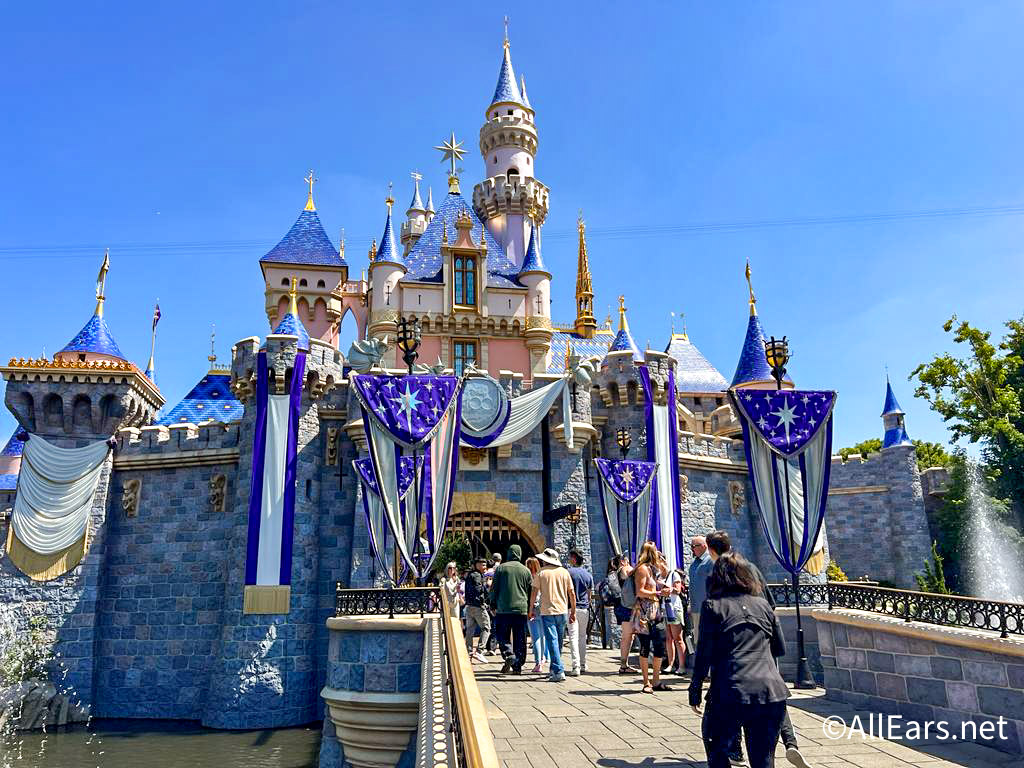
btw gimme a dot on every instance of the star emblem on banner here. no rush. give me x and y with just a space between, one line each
408 403
627 477
786 416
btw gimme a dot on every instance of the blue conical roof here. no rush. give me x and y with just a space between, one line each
623 342
305 243
389 250
753 365
210 399
532 262
95 338
417 201
891 406
292 325
507 89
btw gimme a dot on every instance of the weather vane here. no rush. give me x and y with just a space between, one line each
506 31
311 180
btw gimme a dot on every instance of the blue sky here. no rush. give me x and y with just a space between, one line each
815 133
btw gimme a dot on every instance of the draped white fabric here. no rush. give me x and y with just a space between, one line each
527 411
613 509
268 568
774 515
377 523
55 491
441 455
667 513
385 455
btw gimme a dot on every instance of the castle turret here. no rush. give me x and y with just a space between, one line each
892 420
386 269
416 218
538 303
508 144
623 342
752 370
307 254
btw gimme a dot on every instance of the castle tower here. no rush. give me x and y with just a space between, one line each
538 303
623 341
586 323
386 269
320 269
508 144
417 217
892 420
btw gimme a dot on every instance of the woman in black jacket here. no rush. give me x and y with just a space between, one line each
739 638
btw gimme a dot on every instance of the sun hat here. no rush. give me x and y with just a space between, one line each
550 557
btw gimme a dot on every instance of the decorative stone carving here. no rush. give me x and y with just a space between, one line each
737 497
331 449
474 458
218 492
130 497
684 487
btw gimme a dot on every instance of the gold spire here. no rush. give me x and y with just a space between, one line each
585 324
311 180
750 286
389 200
293 305
623 323
101 283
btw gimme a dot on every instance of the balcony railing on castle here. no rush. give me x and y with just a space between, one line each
471 734
926 607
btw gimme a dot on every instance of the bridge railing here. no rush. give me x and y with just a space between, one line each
474 745
927 607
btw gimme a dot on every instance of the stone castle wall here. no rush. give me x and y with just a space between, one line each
877 525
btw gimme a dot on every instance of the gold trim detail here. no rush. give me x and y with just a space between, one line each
45 567
266 600
858 489
538 321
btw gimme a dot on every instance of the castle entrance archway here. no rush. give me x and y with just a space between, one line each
493 524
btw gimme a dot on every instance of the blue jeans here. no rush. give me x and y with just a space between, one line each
554 633
537 640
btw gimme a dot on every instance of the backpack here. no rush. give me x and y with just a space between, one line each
628 598
609 591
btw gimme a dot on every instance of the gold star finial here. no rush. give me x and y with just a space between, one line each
212 357
750 287
622 314
311 180
452 151
389 200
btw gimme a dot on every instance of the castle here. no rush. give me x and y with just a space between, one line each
148 606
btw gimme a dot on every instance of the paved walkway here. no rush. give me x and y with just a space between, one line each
602 719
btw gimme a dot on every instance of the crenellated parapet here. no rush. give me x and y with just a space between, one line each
177 445
497 195
323 366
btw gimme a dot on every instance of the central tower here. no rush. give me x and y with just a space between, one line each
508 144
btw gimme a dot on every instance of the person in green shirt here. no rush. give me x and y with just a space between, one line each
510 599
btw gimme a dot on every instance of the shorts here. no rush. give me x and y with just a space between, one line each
675 622
652 644
622 614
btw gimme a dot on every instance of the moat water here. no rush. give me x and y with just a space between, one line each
160 744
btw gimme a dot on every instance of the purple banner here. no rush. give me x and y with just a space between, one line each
626 478
408 407
786 419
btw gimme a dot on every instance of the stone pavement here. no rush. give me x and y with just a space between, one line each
602 719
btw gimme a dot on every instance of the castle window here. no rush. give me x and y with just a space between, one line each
465 353
510 111
284 281
321 284
513 175
303 282
465 281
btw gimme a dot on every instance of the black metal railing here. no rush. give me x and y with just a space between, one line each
404 601
926 607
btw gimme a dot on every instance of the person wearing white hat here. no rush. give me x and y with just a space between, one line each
557 606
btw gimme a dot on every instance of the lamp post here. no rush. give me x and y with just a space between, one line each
776 351
623 440
409 338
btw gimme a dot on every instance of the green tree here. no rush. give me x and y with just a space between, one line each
979 396
934 577
931 455
455 548
865 448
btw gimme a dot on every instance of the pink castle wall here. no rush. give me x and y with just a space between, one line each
508 355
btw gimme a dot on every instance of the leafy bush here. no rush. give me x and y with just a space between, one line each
834 573
933 579
25 654
455 547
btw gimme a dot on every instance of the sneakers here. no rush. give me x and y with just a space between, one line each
737 761
478 657
536 669
794 757
556 678
583 670
574 672
506 667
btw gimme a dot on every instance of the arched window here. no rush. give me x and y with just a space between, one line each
513 175
464 292
303 282
321 284
284 282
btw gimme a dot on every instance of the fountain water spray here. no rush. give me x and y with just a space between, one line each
991 561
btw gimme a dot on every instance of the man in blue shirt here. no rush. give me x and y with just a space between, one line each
583 585
700 569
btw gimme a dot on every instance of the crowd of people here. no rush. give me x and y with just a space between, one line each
720 615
